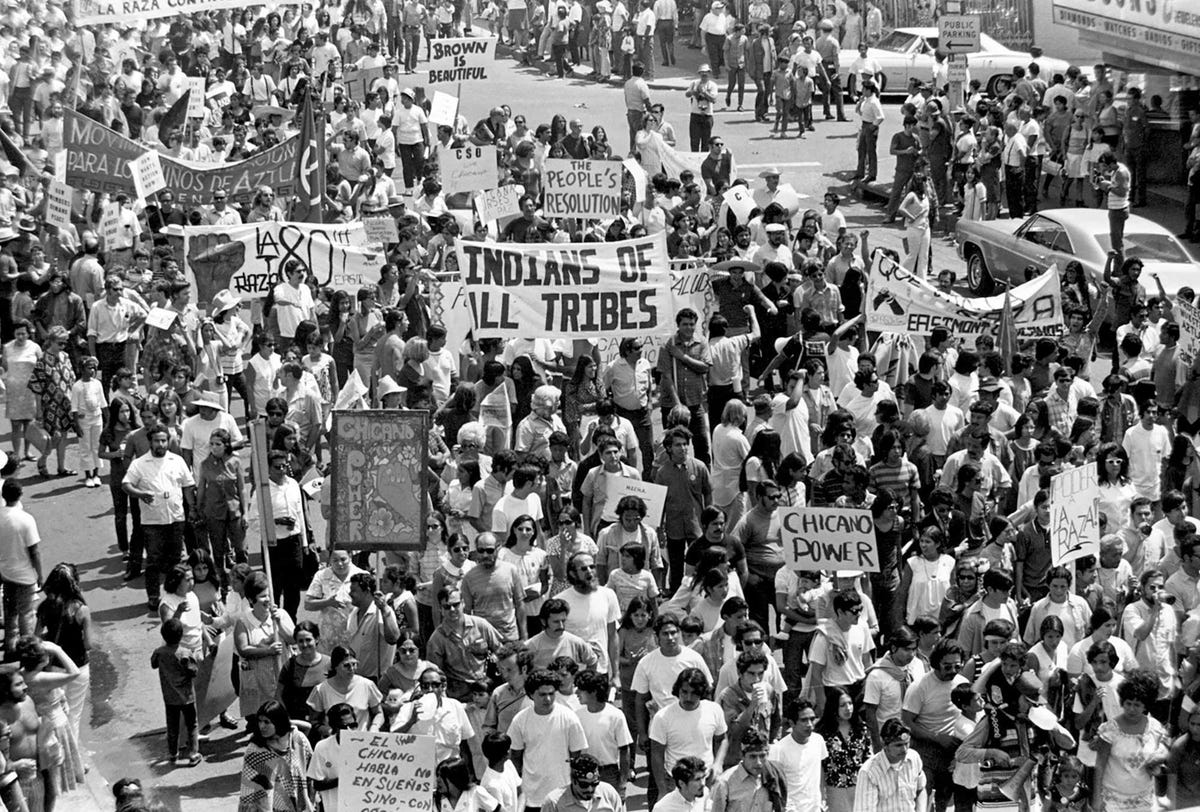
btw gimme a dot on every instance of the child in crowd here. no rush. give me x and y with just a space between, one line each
635 639
508 698
90 412
566 668
177 670
690 630
781 80
833 222
477 713
632 580
803 97
500 779
965 775
1068 793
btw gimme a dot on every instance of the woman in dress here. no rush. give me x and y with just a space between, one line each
849 744
496 395
1116 489
259 637
329 594
1075 143
925 580
580 395
64 617
406 671
531 562
20 357
915 209
303 671
274 768
569 539
51 382
988 164
343 684
59 757
426 564
729 451
262 373
1129 749
341 314
179 601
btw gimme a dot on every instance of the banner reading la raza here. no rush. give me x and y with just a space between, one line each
99 12
899 302
101 160
248 259
569 290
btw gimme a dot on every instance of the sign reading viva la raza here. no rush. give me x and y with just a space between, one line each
101 160
568 290
248 259
582 188
899 302
828 539
1074 514
465 59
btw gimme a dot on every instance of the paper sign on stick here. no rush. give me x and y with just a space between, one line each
160 317
1074 514
655 496
463 59
443 109
387 770
195 108
381 229
58 204
828 539
492 204
741 202
110 223
469 169
148 175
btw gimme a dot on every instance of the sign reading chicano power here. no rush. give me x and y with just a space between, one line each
101 160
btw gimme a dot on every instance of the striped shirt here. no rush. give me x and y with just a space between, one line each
902 479
887 787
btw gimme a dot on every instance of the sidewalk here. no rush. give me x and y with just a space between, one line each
675 77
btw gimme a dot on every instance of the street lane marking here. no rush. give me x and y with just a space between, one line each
769 165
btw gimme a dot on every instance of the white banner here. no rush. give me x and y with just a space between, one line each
899 302
590 189
98 12
466 59
469 169
388 770
1074 514
569 290
828 539
248 259
58 204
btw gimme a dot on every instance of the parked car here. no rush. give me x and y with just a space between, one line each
908 52
998 251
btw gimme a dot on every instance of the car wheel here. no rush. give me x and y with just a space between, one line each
979 278
999 85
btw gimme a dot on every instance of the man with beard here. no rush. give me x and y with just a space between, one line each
162 482
930 715
18 712
689 775
593 611
754 784
586 790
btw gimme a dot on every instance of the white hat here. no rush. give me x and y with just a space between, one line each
848 573
1042 717
387 386
771 228
222 301
207 400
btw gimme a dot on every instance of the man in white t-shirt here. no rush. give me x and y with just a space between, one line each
20 564
594 611
799 755
887 679
544 738
197 430
441 366
293 303
846 637
654 677
689 726
522 501
1147 445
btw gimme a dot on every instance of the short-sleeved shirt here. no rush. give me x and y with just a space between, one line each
607 732
18 532
463 656
688 733
656 672
165 477
362 696
494 595
801 765
929 699
883 690
546 742
690 387
590 618
856 642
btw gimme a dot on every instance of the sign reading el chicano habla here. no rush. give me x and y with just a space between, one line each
378 467
379 772
828 539
249 259
900 302
101 160
569 290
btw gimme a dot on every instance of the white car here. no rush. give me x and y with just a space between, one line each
908 52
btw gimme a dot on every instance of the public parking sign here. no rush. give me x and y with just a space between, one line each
958 33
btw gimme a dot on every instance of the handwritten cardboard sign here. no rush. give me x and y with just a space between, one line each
148 175
381 229
58 204
384 771
828 539
582 188
1074 514
443 108
655 496
492 204
469 169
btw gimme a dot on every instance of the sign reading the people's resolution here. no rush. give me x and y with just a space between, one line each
248 259
568 290
828 539
1074 514
465 59
378 492
582 188
899 302
384 771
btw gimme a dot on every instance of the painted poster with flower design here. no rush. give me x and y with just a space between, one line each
378 499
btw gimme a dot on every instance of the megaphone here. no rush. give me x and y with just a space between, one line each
1015 785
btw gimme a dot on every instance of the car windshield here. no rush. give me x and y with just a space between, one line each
1148 247
897 41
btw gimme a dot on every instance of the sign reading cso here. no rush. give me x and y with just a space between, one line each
828 539
568 290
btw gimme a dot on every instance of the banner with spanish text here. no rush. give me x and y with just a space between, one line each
899 302
99 12
248 259
101 160
569 290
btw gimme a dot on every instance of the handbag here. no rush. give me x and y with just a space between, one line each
1052 167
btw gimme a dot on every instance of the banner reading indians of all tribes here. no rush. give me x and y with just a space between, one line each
101 160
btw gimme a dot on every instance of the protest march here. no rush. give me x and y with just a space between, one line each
451 406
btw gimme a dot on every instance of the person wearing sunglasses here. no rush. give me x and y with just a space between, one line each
586 790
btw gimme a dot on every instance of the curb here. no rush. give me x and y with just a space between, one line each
585 73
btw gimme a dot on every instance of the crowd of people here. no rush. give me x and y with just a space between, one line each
559 646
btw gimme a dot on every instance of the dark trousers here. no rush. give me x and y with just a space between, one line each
559 55
412 163
665 32
1014 188
227 542
644 51
287 558
1193 201
412 46
714 46
676 552
643 428
111 355
760 595
1138 160
700 131
1033 171
236 382
191 731
718 396
937 762
164 549
868 153
698 426
123 507
899 187
1116 228
762 98
833 91
737 80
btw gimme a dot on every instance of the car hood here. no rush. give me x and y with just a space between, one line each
1173 275
847 57
986 228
